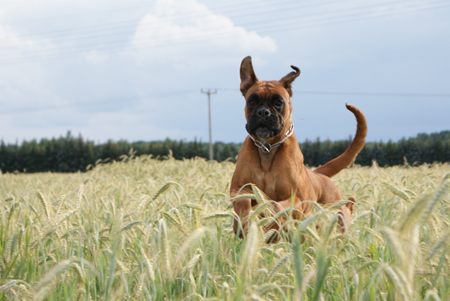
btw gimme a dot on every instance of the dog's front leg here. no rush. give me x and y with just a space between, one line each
280 223
242 208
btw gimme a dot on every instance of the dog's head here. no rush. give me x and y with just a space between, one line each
267 103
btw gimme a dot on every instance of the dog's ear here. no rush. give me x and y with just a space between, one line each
288 79
248 76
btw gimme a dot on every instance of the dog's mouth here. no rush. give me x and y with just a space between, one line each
264 133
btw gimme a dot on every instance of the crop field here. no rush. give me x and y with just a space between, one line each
146 229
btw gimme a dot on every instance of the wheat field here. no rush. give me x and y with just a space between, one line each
147 229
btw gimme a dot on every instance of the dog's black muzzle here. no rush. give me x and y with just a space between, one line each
264 123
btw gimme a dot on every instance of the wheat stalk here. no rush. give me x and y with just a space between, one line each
44 204
41 287
259 195
188 243
165 249
60 204
78 270
79 195
396 282
149 267
251 245
394 242
163 189
398 192
218 214
436 198
191 264
175 222
279 264
10 284
129 226
443 241
139 286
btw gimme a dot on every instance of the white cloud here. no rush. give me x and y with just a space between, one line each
9 39
13 47
21 81
189 35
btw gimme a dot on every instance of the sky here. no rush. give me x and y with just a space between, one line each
134 70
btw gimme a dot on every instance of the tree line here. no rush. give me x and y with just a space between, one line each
71 154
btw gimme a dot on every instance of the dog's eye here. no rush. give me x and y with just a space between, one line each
278 103
251 103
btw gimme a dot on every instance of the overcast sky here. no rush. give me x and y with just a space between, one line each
134 69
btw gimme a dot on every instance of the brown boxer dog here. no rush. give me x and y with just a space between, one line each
271 159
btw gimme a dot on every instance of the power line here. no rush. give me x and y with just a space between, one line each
194 18
376 94
167 41
127 100
248 23
193 14
119 100
171 41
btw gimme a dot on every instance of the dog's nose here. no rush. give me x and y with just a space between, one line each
263 112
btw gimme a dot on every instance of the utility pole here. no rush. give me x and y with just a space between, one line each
209 118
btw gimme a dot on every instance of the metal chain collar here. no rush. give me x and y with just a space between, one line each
267 148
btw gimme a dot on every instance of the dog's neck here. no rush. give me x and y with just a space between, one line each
286 141
269 160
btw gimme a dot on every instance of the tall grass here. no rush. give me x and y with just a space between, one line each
144 229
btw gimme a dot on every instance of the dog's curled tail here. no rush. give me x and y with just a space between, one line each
334 166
